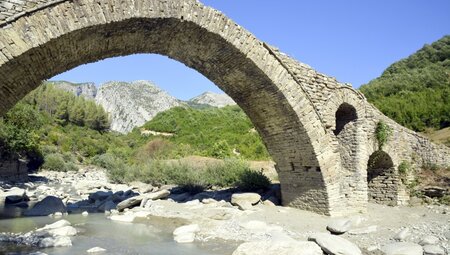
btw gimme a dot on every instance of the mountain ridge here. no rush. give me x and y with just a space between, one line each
132 104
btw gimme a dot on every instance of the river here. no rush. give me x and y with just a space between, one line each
152 237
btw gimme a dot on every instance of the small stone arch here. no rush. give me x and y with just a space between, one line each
382 179
345 114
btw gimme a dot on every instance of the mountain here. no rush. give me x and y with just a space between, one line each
130 105
213 99
87 90
415 91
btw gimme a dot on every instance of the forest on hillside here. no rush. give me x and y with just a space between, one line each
415 91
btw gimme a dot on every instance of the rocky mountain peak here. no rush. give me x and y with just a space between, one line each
213 99
132 104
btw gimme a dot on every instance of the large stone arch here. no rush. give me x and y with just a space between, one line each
47 41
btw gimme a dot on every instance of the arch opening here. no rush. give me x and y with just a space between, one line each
382 180
345 114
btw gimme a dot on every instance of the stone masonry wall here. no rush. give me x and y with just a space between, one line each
384 187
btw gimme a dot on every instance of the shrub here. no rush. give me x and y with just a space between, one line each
227 174
115 167
54 162
253 181
404 167
382 133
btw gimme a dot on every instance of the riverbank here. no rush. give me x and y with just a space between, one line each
225 216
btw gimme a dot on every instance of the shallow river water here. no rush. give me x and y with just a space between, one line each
152 237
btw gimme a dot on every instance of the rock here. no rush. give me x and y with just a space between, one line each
245 200
207 201
402 235
57 214
364 230
185 234
213 99
123 218
63 231
434 192
164 193
335 245
109 205
59 241
96 250
14 195
278 248
429 240
48 205
130 202
268 203
58 224
100 195
137 200
85 213
339 226
402 248
433 250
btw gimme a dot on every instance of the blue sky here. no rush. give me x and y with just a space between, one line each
351 40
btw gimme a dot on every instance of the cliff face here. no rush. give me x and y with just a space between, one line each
87 90
213 99
130 105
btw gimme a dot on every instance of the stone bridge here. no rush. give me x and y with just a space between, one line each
320 133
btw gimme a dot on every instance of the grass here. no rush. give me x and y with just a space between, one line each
230 173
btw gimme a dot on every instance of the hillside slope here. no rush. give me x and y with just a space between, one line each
415 91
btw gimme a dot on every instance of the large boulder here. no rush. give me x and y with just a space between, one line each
335 245
245 200
278 248
48 205
402 248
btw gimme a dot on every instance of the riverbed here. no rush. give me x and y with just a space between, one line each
95 230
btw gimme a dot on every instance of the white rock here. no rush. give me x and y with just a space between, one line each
429 240
433 250
59 241
339 226
278 248
186 234
95 250
252 198
123 218
402 248
63 231
332 244
402 234
158 194
364 230
85 213
58 224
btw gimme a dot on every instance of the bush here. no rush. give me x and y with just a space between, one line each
227 174
253 181
382 133
404 167
115 166
54 162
